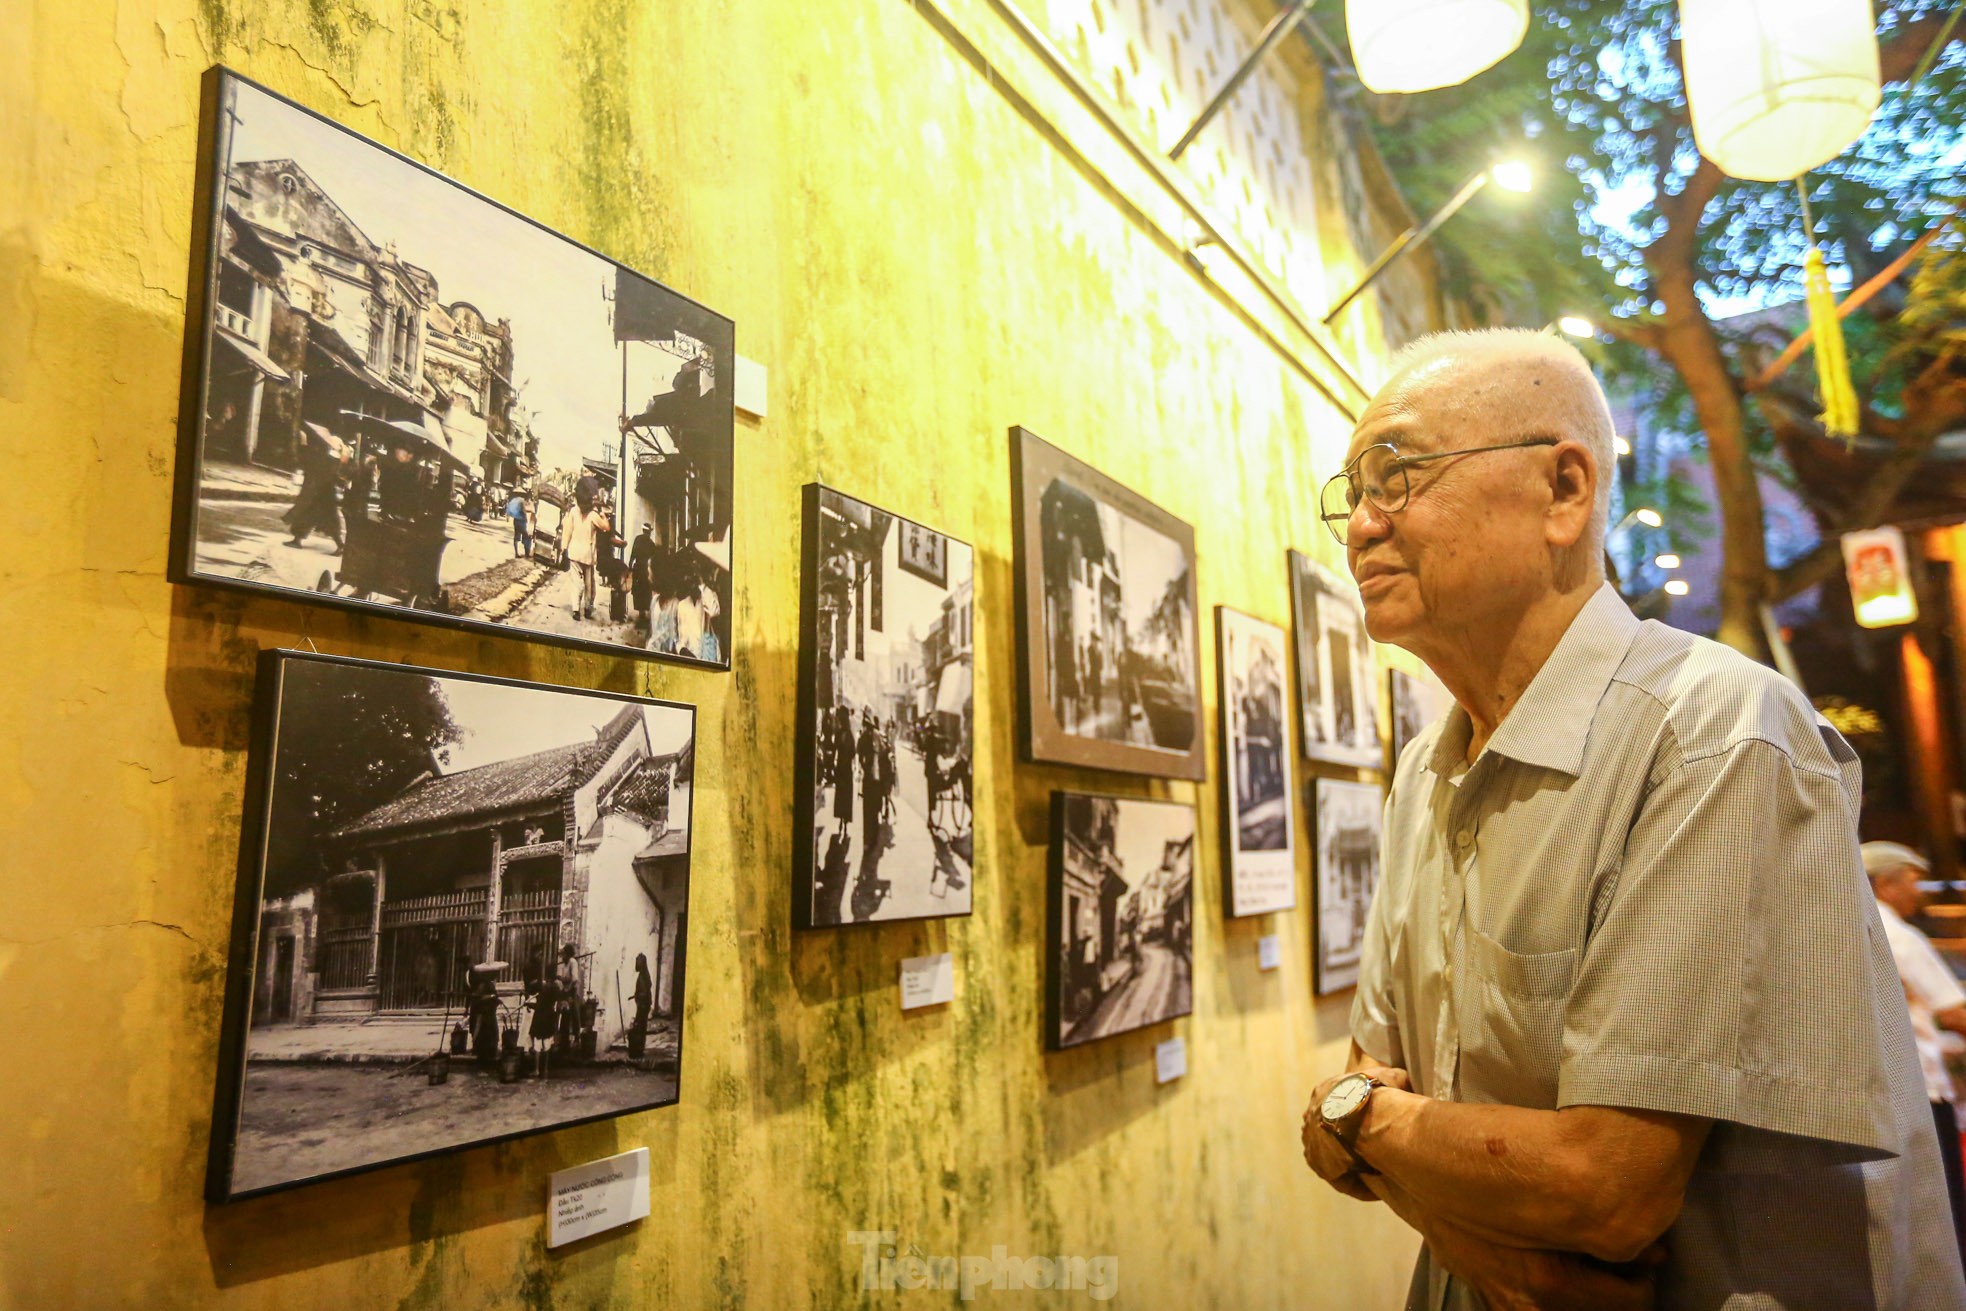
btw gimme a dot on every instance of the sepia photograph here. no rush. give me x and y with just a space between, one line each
1260 873
1347 818
1417 700
1337 682
1121 915
408 397
1108 625
886 718
462 916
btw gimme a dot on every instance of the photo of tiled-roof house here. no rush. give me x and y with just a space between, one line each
584 845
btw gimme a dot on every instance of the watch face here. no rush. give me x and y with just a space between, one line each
1345 1097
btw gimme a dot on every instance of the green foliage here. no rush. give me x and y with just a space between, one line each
1595 97
350 739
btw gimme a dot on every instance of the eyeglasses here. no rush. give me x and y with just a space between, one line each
1378 475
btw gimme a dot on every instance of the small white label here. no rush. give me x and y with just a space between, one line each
600 1195
748 387
928 980
1269 952
1170 1060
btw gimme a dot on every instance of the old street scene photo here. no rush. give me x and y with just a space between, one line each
1338 691
1262 873
473 916
1117 624
1417 700
891 736
415 398
1123 911
1347 821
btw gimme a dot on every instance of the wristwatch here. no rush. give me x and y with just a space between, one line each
1342 1113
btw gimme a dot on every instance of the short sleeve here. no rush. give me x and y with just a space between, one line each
1375 1018
1735 966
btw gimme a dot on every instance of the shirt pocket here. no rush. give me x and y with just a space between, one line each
1514 1004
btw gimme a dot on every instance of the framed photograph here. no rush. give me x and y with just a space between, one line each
887 726
1260 872
1348 817
1107 622
1417 700
1337 688
1121 915
462 916
401 396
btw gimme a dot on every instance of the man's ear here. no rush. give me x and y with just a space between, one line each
1573 494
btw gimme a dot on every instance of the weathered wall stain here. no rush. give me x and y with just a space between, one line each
919 268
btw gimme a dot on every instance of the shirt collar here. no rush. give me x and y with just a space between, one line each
1551 721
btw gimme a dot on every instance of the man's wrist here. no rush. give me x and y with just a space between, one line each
1383 1107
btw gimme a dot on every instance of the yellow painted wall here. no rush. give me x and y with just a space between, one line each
919 267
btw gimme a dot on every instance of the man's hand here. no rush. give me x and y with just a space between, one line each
1527 1279
1325 1154
626 423
1523 1278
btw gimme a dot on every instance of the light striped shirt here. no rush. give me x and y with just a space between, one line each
1645 892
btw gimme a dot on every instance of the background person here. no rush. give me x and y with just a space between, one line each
584 530
1932 993
1625 1030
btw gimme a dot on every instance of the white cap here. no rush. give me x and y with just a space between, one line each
1883 857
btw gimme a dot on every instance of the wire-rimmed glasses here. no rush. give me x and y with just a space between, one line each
1378 475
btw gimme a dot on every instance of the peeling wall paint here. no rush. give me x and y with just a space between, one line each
919 269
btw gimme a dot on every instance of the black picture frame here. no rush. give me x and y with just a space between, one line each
851 631
312 361
1413 703
1259 855
305 966
1337 682
1347 819
1099 970
1057 494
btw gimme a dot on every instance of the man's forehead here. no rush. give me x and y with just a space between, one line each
1421 409
1392 420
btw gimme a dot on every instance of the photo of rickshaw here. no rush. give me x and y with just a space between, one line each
408 397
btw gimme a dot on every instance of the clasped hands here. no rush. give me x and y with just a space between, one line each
1508 1277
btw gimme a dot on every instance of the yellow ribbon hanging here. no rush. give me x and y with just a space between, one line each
1839 394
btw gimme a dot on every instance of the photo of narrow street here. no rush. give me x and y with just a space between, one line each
1122 905
889 739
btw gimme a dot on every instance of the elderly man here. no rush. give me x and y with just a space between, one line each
1626 1030
1933 996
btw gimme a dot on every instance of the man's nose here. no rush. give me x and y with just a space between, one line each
1367 524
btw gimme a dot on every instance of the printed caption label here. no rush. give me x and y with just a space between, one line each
1269 952
600 1195
928 980
1171 1060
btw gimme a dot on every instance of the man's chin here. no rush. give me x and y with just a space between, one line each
1386 621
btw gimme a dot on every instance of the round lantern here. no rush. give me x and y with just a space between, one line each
1417 45
1776 87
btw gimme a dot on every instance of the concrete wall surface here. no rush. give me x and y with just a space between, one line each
919 265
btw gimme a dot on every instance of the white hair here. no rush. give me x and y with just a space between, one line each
1572 406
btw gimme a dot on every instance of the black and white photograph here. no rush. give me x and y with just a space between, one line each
887 726
1121 915
1260 871
1107 620
1347 820
462 916
1417 700
1337 680
408 397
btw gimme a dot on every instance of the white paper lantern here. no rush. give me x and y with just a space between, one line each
1777 87
1417 45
